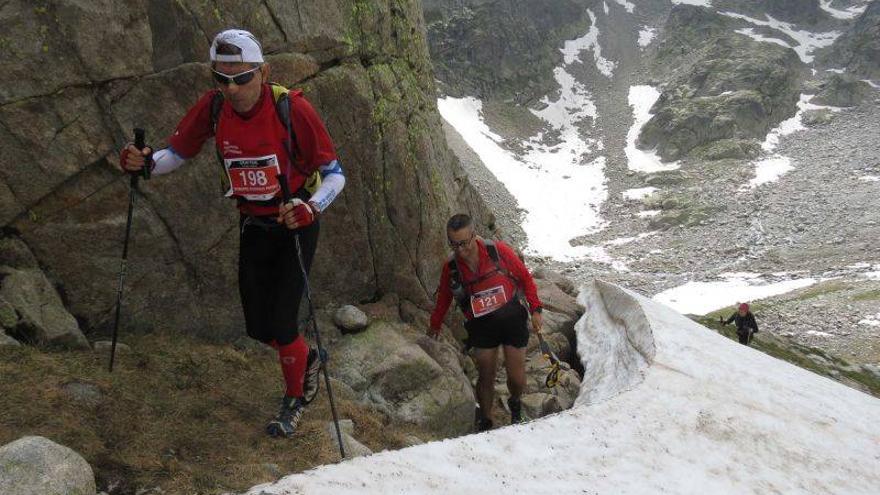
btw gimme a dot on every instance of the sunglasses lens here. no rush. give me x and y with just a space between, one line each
221 79
243 79
239 80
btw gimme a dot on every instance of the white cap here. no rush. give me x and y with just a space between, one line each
251 51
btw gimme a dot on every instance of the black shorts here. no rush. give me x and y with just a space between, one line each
506 326
270 280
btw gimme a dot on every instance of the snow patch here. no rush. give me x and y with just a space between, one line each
620 241
818 333
561 193
641 99
699 298
849 13
640 193
700 414
573 48
807 41
629 6
758 37
605 7
770 169
649 213
869 178
701 3
836 71
871 83
646 36
871 320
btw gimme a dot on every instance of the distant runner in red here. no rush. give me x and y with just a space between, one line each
261 131
487 279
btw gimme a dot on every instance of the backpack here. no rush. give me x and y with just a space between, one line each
459 292
282 109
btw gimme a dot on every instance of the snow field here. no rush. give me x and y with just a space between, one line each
678 409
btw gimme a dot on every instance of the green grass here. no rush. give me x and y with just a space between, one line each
871 295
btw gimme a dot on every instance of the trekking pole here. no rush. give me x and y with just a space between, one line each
139 143
322 354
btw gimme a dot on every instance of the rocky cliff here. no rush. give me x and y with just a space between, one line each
859 48
501 48
78 75
724 91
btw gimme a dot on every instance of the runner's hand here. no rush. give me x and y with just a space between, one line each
434 334
131 159
296 214
537 322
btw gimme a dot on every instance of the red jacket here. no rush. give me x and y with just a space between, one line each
257 134
508 260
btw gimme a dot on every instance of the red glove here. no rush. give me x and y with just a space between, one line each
131 161
297 214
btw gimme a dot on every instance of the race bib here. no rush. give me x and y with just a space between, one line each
487 301
253 178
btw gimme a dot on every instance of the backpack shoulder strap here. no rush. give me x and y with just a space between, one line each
493 251
282 108
216 106
454 275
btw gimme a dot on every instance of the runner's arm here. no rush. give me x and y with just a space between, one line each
166 160
521 273
444 299
332 183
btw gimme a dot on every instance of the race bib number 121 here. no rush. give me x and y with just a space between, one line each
487 301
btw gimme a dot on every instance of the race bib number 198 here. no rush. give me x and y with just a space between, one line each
487 301
253 178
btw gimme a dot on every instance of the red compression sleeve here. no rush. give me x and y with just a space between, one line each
293 359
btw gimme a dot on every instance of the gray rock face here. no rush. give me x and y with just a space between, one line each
841 90
859 49
364 67
387 366
793 11
42 316
38 466
554 299
15 253
723 90
502 48
350 319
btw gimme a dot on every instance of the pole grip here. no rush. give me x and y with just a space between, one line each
140 142
285 187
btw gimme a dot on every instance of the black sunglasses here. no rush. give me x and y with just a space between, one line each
239 79
461 244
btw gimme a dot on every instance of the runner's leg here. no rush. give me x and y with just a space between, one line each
487 361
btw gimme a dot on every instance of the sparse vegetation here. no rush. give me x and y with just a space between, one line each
178 413
810 358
